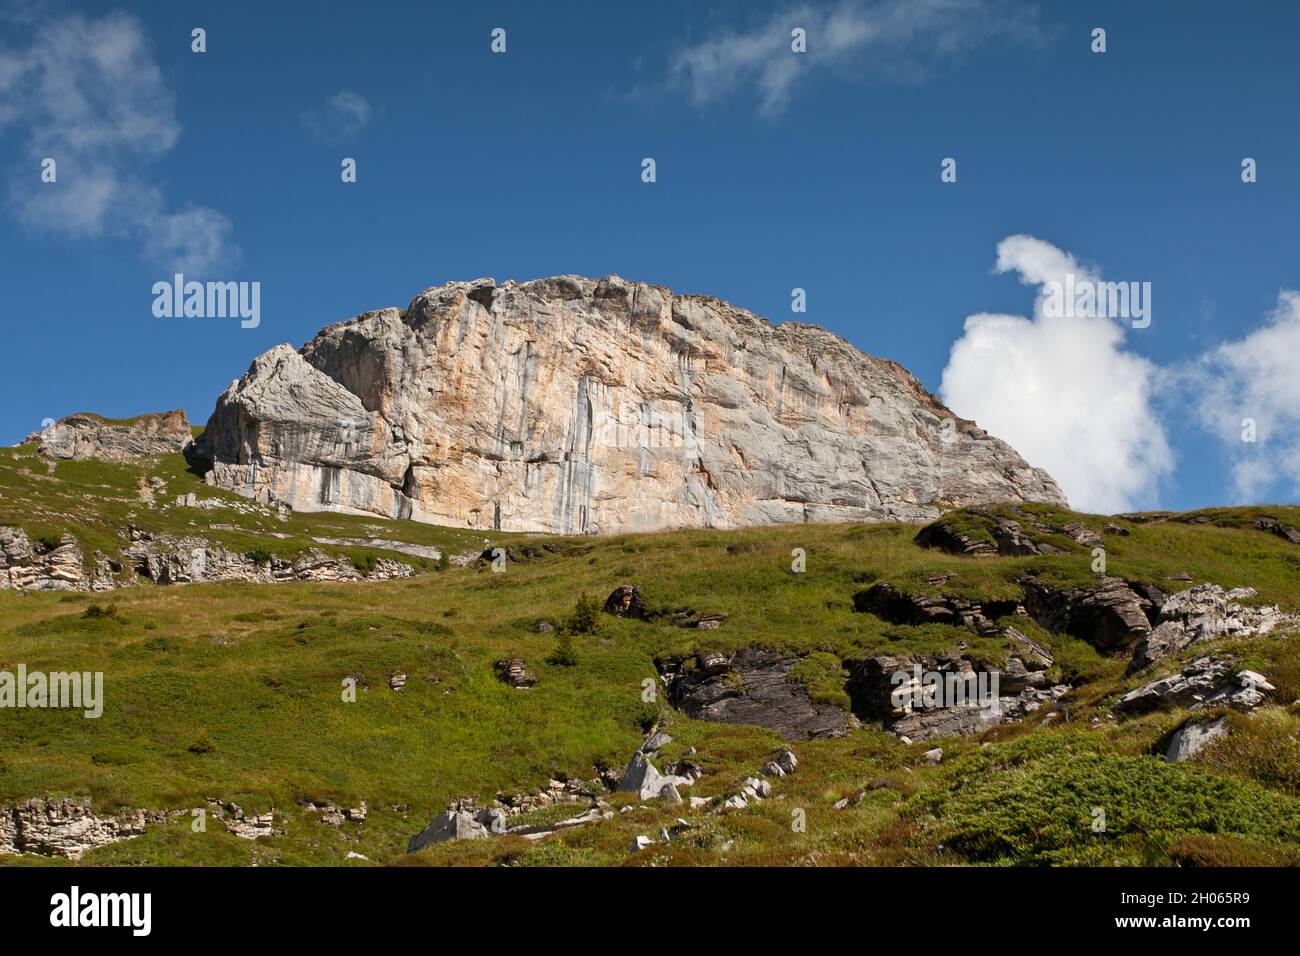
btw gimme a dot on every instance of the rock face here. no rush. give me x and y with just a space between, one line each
1202 613
83 436
753 687
912 696
571 405
68 828
165 559
35 566
1110 615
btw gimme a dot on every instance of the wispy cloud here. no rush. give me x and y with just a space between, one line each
1255 379
1065 392
88 94
899 40
339 120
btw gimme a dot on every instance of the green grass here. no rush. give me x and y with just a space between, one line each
233 691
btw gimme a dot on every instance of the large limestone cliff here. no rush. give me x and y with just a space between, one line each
575 405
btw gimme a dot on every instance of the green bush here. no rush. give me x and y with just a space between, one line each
563 655
585 618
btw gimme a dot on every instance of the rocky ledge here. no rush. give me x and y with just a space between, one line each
85 436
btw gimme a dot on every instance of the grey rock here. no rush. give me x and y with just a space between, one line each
1108 615
84 436
452 825
1207 681
1203 613
656 741
45 826
31 566
1190 739
478 406
753 688
639 843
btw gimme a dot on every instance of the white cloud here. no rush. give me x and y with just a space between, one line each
87 93
1255 377
342 118
1064 392
897 39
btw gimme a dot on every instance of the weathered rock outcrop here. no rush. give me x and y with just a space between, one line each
165 559
1205 682
899 607
1203 613
63 827
40 566
82 436
753 687
924 698
1110 615
573 405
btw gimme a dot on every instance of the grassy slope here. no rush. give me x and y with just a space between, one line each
232 691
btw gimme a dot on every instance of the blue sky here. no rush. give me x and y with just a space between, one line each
821 172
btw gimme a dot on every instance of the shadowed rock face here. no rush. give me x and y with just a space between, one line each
572 405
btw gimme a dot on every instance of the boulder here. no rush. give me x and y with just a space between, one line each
513 672
627 601
1190 739
452 825
1207 681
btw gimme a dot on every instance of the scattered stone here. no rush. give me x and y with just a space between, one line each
841 804
933 757
397 682
773 769
512 671
668 793
1190 739
787 761
645 781
639 843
